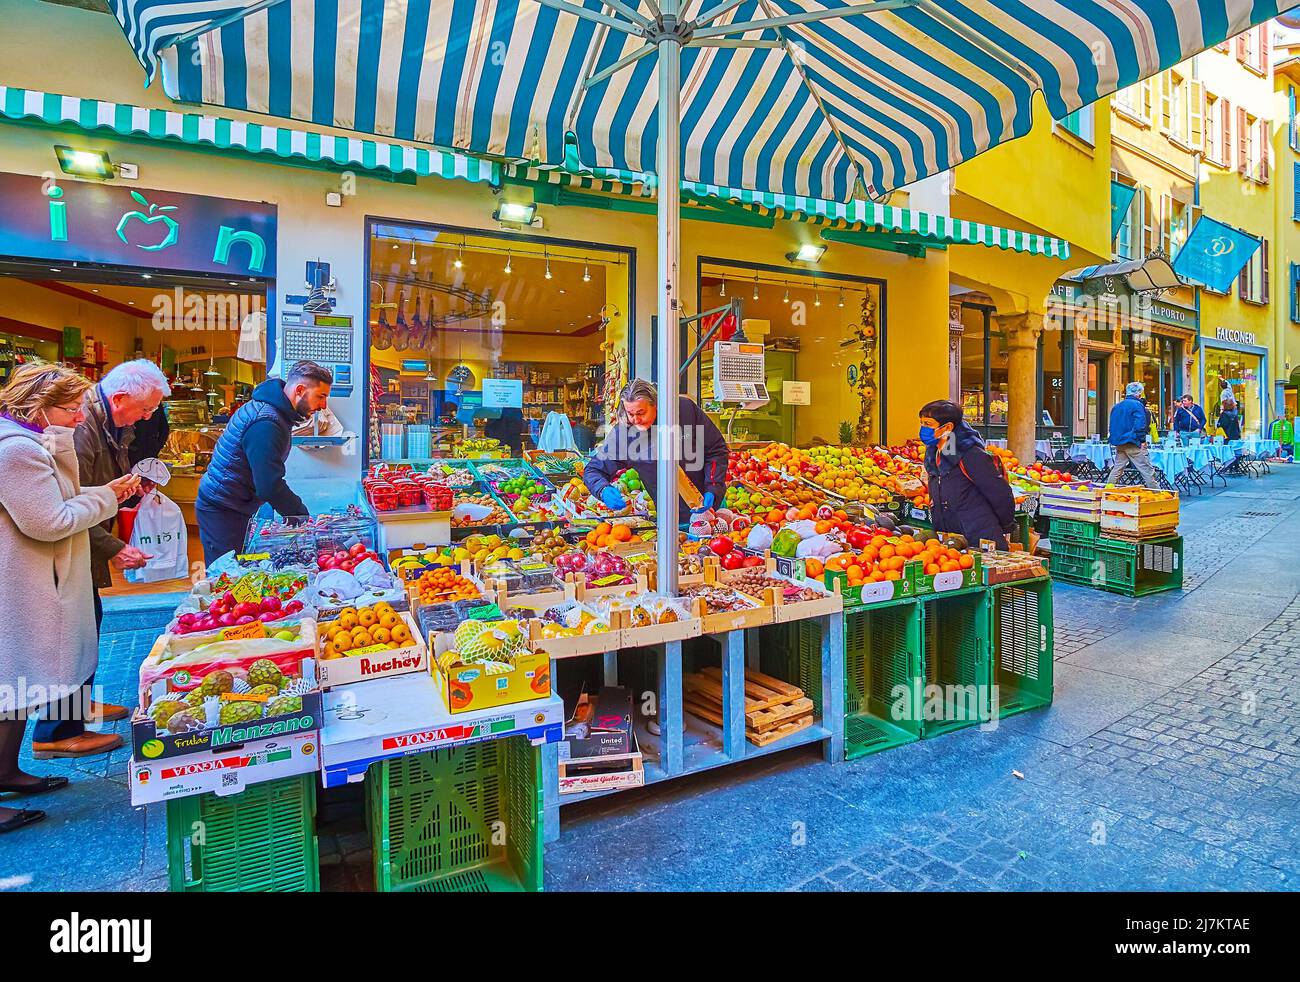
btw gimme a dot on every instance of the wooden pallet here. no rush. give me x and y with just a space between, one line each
773 708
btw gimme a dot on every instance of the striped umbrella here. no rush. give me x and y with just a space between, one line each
826 98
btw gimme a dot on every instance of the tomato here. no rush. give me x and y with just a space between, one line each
720 545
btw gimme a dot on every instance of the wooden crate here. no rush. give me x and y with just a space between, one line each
1112 505
773 709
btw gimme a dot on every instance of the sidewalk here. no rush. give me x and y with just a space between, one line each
1169 760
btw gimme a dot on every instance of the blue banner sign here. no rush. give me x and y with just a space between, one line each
1121 198
68 221
1214 254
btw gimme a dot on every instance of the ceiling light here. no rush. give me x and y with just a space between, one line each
722 290
507 269
232 283
586 273
429 376
841 296
548 266
146 276
55 269
809 252
413 261
84 163
755 286
786 298
520 213
817 298
460 256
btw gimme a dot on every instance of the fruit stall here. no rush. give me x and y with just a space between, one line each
489 619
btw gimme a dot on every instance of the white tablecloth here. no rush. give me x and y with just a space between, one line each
1099 454
1267 448
1171 461
1043 447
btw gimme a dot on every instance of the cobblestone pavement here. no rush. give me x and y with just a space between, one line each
1170 759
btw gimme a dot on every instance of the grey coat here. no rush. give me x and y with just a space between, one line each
47 635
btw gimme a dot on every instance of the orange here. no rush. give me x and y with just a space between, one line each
366 617
953 554
381 635
822 527
877 577
813 567
329 651
361 639
893 574
393 644
604 528
343 642
621 533
887 552
389 619
855 572
879 542
401 634
348 619
966 562
931 569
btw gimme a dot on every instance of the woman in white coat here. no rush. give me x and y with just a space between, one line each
48 641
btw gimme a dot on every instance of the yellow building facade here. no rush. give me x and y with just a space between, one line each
1286 224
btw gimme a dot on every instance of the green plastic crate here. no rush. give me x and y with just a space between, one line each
882 678
1068 528
958 634
1137 569
262 839
1022 646
1023 523
1074 561
459 820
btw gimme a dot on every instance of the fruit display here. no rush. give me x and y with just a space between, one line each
458 477
496 515
480 549
485 643
563 464
1136 494
611 534
885 556
718 599
284 585
572 620
346 559
755 581
578 501
230 696
629 481
445 585
479 445
599 570
1036 471
226 611
547 545
359 629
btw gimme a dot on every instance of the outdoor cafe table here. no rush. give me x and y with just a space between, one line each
1171 460
1099 454
1266 448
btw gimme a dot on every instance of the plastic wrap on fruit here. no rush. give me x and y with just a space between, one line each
760 539
786 542
818 547
805 529
740 523
825 513
338 582
701 526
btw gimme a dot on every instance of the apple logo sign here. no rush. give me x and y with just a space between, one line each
127 231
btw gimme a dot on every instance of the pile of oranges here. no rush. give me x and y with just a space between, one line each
606 534
885 558
364 627
444 585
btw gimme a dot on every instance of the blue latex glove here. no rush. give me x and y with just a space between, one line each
613 499
707 503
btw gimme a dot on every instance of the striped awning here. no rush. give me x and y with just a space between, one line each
855 215
868 102
220 133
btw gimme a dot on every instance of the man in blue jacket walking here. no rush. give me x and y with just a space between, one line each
1129 426
247 468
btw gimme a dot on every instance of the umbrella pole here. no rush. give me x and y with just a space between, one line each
668 168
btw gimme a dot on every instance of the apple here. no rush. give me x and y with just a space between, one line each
226 620
340 555
293 606
750 561
246 619
733 560
358 549
270 603
270 615
228 599
720 545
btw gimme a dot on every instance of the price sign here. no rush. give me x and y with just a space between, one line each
242 632
503 393
370 649
796 393
253 557
248 589
489 612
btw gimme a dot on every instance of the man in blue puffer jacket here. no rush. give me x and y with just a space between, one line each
247 468
1129 426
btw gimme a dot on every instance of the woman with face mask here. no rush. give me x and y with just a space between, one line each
48 642
971 498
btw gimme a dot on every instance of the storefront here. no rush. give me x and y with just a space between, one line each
94 274
476 335
1233 363
826 340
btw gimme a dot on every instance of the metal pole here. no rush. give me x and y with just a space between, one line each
668 167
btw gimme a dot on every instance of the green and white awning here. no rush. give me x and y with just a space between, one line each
219 133
223 134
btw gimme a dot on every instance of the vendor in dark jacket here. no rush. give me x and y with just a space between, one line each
1230 420
971 498
247 468
631 443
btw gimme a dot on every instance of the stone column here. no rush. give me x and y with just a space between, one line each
1023 333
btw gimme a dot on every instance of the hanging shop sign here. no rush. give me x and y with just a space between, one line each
1157 312
1236 337
77 221
503 393
1214 254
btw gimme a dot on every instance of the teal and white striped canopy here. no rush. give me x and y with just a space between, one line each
892 92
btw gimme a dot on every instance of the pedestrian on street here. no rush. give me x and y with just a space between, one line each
1230 421
1188 419
247 468
971 498
103 436
49 641
1129 425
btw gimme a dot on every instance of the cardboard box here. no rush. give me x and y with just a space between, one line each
223 772
468 688
606 773
350 668
609 725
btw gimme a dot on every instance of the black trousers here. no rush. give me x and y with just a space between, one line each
220 531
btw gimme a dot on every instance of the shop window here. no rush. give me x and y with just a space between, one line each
1214 129
1239 373
823 330
1052 386
1134 101
999 379
475 335
1080 123
1295 292
974 322
1128 235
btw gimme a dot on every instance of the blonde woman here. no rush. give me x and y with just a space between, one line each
48 643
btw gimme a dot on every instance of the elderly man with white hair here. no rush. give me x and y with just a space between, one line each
129 393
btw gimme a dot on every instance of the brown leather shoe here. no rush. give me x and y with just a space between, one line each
105 712
86 745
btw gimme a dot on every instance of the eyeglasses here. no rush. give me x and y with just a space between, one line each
70 410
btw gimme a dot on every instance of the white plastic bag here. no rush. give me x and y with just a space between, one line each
159 531
557 434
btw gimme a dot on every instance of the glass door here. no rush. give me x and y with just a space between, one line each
1098 408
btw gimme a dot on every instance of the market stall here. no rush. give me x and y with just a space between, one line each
488 617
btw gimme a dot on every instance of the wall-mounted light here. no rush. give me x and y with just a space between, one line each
84 163
809 252
586 273
520 213
722 290
414 261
